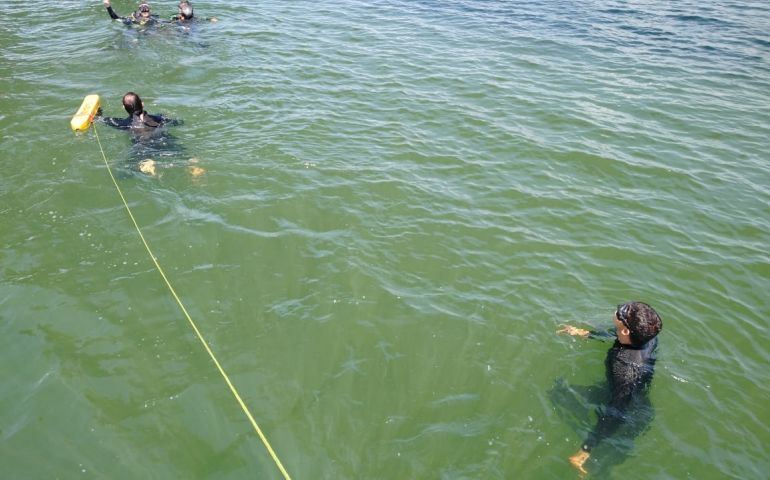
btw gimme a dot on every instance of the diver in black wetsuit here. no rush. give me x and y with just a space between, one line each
630 364
141 16
149 138
186 15
139 121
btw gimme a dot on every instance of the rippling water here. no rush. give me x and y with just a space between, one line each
402 201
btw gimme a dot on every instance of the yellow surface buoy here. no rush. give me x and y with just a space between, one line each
85 114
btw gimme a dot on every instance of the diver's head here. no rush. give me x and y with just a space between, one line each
185 10
641 320
132 103
143 10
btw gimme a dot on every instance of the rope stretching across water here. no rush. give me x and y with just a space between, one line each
190 320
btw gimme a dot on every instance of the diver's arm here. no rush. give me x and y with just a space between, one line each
611 417
115 16
111 121
603 334
114 122
164 120
582 332
607 424
159 120
110 11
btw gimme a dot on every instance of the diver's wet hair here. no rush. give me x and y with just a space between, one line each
143 7
132 103
642 321
185 10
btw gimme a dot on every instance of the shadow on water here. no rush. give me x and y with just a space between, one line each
579 405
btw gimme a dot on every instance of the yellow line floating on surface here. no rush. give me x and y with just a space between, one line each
189 319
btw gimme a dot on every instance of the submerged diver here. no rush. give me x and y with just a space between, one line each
186 15
630 364
149 136
141 16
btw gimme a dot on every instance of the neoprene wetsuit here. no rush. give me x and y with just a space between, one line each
187 22
134 18
629 374
139 121
178 19
148 136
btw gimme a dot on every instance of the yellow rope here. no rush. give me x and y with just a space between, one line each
189 319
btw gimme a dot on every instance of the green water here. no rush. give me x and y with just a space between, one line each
402 202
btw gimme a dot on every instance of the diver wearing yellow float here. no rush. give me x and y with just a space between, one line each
141 16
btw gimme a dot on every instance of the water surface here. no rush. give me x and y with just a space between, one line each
402 202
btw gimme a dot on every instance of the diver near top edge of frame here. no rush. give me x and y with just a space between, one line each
143 15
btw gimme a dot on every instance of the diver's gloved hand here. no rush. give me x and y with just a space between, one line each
106 3
578 460
574 331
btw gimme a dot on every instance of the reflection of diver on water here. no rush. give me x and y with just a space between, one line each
624 411
151 140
